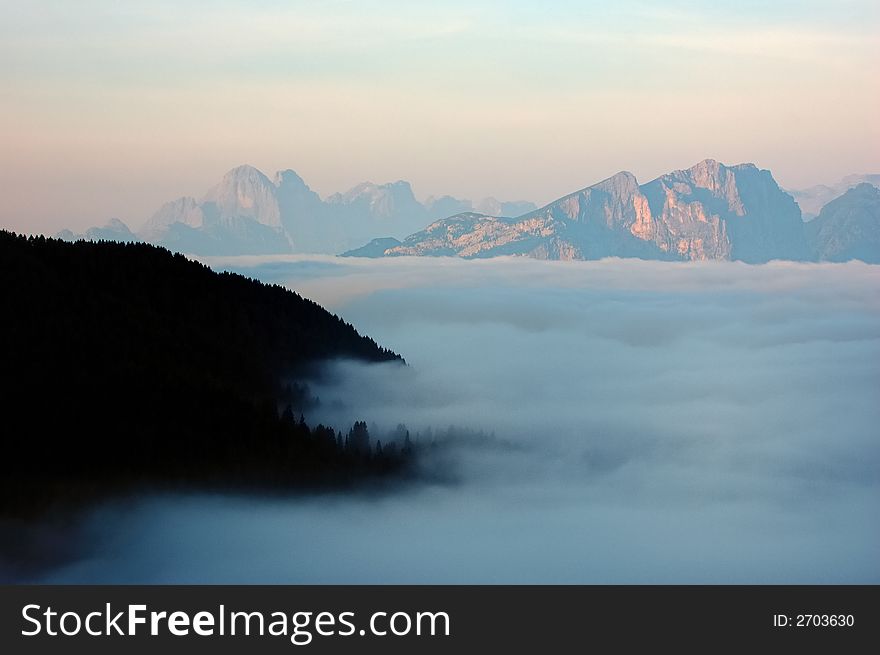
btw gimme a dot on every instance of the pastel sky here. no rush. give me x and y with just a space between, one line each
111 108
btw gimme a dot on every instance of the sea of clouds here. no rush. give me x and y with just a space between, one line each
648 421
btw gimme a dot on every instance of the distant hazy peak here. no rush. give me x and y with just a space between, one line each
184 210
812 199
237 181
289 177
246 192
372 190
113 225
116 224
245 172
112 230
861 190
872 179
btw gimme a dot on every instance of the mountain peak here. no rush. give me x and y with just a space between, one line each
624 175
244 173
289 177
707 164
243 169
116 224
372 189
622 179
246 192
865 189
707 173
400 184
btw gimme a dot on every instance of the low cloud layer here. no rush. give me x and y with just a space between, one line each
654 422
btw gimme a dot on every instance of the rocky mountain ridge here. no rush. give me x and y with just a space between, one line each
708 211
249 213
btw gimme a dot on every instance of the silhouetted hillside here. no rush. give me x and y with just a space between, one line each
123 362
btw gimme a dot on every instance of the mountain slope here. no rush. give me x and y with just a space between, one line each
812 199
125 360
709 211
848 227
374 249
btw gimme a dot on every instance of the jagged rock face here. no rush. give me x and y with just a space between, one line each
712 211
246 213
240 215
848 227
244 192
463 234
771 227
682 212
709 211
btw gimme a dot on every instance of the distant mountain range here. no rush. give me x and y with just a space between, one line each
708 211
814 198
248 213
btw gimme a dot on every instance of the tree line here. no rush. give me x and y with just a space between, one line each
126 364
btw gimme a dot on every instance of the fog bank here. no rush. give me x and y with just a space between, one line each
653 422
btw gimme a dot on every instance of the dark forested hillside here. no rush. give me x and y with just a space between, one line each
123 362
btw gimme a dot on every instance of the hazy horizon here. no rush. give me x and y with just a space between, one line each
110 110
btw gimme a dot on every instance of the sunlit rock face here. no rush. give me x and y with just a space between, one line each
709 211
242 214
244 192
712 211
